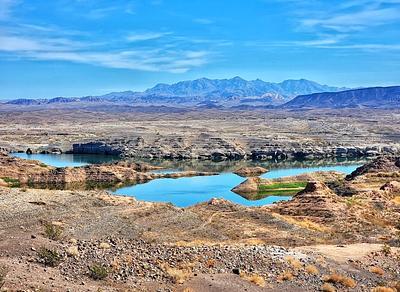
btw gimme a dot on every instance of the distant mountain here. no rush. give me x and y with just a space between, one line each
373 97
238 87
203 92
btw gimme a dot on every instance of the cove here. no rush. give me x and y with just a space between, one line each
188 191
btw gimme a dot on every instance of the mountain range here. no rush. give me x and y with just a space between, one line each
373 97
204 92
237 93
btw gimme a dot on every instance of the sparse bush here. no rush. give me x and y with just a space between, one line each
295 263
336 278
254 278
386 250
178 276
383 289
49 257
377 270
311 269
12 182
285 276
52 231
3 274
328 288
98 272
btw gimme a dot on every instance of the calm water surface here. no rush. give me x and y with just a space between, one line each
67 160
188 191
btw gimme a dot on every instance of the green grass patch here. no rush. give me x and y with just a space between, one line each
282 185
12 182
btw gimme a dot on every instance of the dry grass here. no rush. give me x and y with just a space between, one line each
210 263
377 270
285 276
328 288
178 275
383 289
396 200
337 278
304 223
254 278
311 269
295 263
187 289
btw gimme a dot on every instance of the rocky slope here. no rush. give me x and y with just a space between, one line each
373 97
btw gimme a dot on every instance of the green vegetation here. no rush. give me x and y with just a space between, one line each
12 182
49 257
52 231
283 185
98 272
280 189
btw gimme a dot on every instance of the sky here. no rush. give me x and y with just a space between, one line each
92 47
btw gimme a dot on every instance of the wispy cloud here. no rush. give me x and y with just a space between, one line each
203 21
6 7
135 37
355 21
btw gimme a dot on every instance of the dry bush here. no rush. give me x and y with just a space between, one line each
311 269
336 278
295 263
328 288
52 231
3 274
377 270
383 289
178 276
386 249
210 263
254 278
285 276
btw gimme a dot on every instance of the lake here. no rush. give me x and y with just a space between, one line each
187 191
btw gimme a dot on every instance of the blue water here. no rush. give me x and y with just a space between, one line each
67 160
189 191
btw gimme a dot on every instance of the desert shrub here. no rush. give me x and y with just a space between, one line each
336 278
12 182
254 278
383 289
49 257
295 263
3 274
386 250
311 269
285 276
52 231
178 275
328 288
98 272
377 270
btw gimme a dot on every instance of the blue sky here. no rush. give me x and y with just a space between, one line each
90 47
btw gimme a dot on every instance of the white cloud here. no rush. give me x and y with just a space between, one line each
355 21
136 37
6 7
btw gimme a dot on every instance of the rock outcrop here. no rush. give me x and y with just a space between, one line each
250 171
379 165
316 202
249 186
